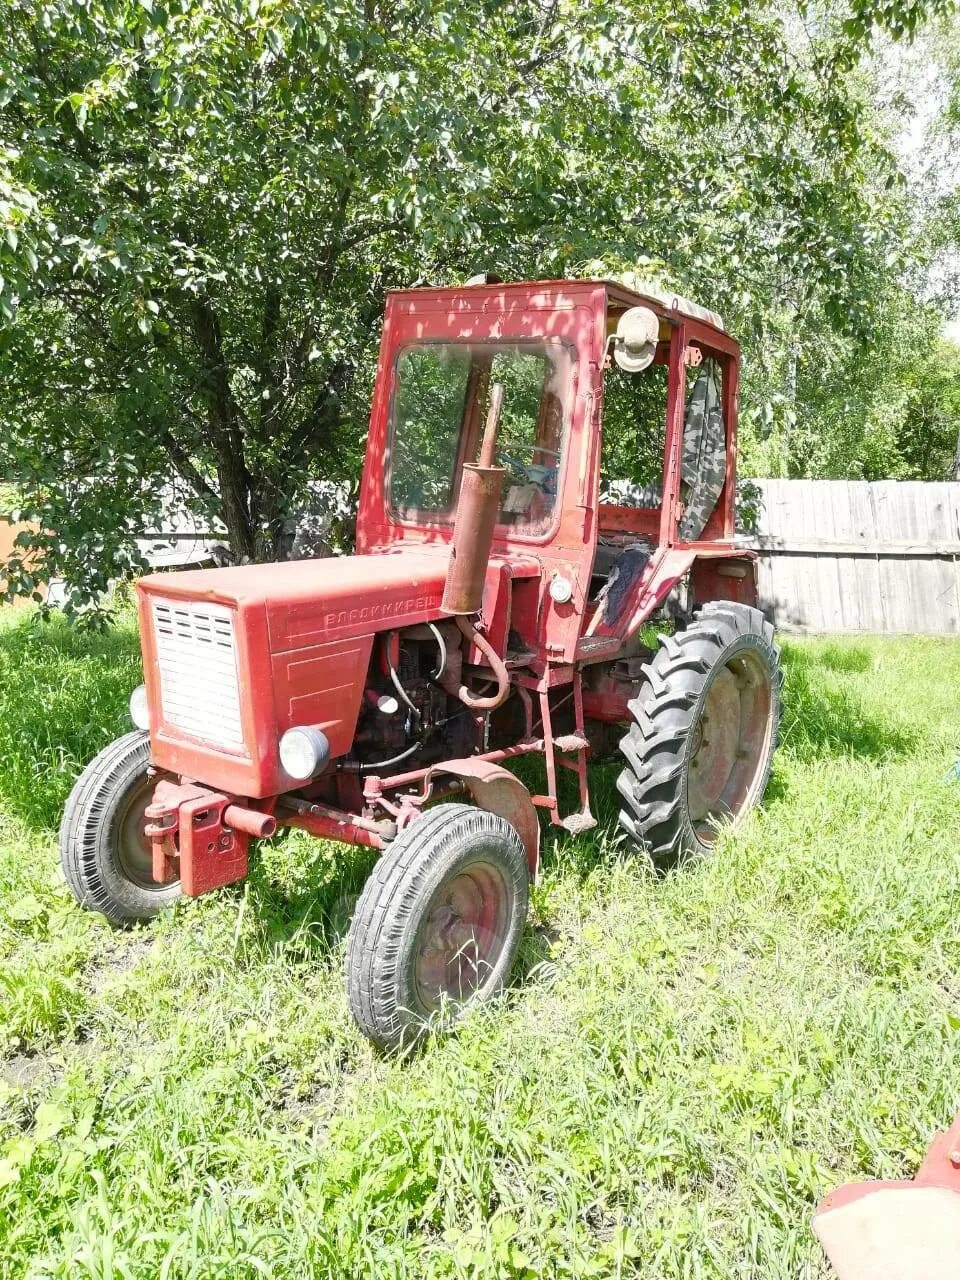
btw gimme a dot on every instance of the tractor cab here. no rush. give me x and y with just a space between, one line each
616 440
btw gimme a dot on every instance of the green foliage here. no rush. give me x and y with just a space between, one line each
931 433
634 426
889 408
683 1067
63 695
203 204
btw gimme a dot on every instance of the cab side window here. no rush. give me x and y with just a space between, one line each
428 414
634 429
704 460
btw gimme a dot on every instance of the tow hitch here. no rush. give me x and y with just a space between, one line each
202 835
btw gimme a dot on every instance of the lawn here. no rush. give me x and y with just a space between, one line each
683 1067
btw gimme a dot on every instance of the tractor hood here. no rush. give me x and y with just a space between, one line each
315 601
234 657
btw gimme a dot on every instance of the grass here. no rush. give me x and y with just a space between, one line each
684 1066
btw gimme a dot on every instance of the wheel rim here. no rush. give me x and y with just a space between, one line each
134 851
730 743
462 935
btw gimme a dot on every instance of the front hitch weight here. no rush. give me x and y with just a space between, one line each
208 832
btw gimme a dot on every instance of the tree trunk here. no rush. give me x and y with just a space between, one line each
233 508
238 508
790 395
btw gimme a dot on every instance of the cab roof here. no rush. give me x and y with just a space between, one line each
666 303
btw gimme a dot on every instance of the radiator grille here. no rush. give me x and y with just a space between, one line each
197 656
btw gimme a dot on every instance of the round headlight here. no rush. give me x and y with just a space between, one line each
304 751
139 711
561 589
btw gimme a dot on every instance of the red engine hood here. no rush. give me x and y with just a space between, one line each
307 601
294 648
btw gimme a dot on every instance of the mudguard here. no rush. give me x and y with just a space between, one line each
498 791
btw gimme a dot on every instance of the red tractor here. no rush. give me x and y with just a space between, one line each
493 610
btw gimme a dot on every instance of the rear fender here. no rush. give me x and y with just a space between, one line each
716 573
665 570
729 575
497 790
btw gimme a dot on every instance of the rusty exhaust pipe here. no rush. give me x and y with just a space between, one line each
480 487
473 700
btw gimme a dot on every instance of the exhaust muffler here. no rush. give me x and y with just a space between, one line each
480 488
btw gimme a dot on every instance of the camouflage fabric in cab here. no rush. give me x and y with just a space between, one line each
704 465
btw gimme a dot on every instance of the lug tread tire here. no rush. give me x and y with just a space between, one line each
662 719
390 908
86 855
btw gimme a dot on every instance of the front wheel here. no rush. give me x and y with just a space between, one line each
700 748
106 858
438 924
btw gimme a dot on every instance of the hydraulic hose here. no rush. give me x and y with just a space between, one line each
474 701
395 681
355 766
442 665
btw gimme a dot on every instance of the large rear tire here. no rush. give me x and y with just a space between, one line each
705 724
438 924
106 858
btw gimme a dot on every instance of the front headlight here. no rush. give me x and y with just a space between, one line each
304 751
139 711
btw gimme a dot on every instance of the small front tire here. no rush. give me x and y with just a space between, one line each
438 924
106 857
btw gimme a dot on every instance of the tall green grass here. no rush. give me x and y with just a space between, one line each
684 1065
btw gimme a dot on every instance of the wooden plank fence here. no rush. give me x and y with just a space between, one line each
834 555
839 555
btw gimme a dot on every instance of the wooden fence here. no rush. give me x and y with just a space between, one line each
838 555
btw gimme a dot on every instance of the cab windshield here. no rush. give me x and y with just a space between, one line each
439 407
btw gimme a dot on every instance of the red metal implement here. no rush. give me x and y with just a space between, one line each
898 1230
201 835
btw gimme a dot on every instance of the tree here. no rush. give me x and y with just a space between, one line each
204 202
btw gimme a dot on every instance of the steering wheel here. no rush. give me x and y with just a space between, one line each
545 478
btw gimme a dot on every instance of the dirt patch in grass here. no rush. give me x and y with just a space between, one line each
117 959
21 1070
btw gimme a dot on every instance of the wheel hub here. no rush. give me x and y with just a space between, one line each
134 851
729 743
462 935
